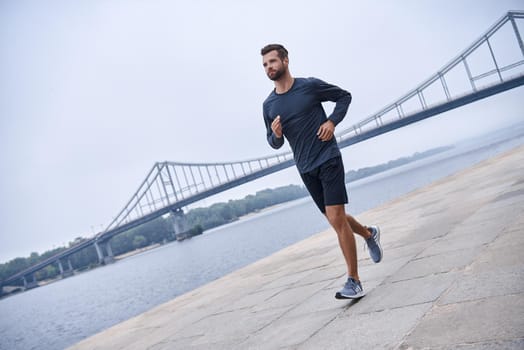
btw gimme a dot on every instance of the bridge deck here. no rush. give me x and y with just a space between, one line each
452 274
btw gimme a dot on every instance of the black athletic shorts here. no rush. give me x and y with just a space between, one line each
326 184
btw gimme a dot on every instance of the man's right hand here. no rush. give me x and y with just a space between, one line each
277 127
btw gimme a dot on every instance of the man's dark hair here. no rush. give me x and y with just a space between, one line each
282 52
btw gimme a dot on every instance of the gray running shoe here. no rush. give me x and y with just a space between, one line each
352 290
373 243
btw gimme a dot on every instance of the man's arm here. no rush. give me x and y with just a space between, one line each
273 131
329 92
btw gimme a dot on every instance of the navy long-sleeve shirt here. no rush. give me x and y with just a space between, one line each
301 114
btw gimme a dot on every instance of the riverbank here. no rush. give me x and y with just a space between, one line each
137 251
451 277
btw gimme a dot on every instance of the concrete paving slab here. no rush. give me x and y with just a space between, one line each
376 330
287 280
404 293
289 331
490 283
233 327
383 270
460 242
317 303
328 273
251 299
498 255
406 249
436 264
290 296
485 320
513 344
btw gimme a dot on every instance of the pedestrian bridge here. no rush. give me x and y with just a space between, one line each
492 64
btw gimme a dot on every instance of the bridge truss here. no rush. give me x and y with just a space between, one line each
481 70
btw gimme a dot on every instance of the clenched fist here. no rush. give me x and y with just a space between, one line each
326 131
277 127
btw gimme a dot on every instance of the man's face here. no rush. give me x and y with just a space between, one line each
273 65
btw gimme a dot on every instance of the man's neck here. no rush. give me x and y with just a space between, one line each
283 84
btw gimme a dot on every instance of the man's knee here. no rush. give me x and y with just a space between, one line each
336 215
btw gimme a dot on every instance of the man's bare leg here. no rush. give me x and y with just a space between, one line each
357 227
372 240
336 216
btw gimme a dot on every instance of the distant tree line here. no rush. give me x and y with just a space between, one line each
354 175
223 213
160 230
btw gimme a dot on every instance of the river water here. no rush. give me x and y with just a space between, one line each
63 313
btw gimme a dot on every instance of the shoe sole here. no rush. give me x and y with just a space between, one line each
339 296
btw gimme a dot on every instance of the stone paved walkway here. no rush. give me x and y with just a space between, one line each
452 278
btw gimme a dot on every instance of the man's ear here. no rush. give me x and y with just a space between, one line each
286 60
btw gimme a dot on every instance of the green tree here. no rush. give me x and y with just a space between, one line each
84 258
139 242
48 272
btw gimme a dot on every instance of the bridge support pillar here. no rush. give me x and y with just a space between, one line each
30 281
63 272
106 258
179 224
60 267
99 253
109 258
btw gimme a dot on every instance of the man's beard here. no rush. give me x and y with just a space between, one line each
278 74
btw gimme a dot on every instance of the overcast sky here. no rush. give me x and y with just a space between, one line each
92 93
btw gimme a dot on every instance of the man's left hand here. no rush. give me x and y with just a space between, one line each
326 131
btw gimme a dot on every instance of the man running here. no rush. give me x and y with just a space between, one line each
294 110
